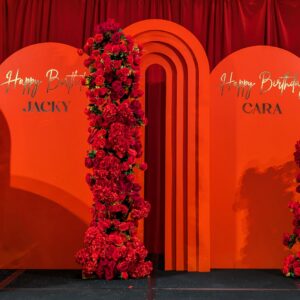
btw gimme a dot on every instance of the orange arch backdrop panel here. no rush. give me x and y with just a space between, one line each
45 202
255 108
184 60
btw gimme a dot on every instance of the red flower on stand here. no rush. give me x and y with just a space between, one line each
111 246
291 266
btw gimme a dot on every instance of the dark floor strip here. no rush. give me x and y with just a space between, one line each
150 292
155 289
226 289
9 279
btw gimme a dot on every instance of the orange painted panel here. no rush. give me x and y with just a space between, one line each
45 202
59 179
188 131
254 125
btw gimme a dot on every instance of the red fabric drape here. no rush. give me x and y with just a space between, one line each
222 26
155 156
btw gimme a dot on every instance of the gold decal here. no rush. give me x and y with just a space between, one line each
52 76
282 83
243 86
30 85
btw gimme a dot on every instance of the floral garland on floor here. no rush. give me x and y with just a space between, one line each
291 267
111 246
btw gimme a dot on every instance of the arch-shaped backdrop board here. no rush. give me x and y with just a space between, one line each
229 162
255 109
44 198
184 60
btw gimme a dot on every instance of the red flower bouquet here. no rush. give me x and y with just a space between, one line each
291 267
111 246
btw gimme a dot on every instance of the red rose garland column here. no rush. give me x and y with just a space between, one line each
291 266
111 247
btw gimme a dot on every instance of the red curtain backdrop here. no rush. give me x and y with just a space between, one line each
222 26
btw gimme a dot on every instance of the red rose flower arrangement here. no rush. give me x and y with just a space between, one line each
111 246
291 267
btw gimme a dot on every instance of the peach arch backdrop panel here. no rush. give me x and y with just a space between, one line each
45 201
177 50
254 126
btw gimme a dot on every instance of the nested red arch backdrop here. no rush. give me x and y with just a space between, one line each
185 63
45 199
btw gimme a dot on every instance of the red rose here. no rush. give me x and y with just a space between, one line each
128 81
297 271
115 239
109 25
132 152
124 275
89 162
107 64
104 224
123 74
86 48
292 204
123 266
118 208
285 270
297 210
88 61
136 197
99 80
90 41
130 59
142 269
95 54
90 179
115 49
80 52
107 49
143 166
131 177
286 239
136 187
131 160
109 273
98 37
116 86
129 39
109 77
100 271
296 267
116 37
137 59
124 226
116 254
297 231
297 153
123 48
116 64
289 260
